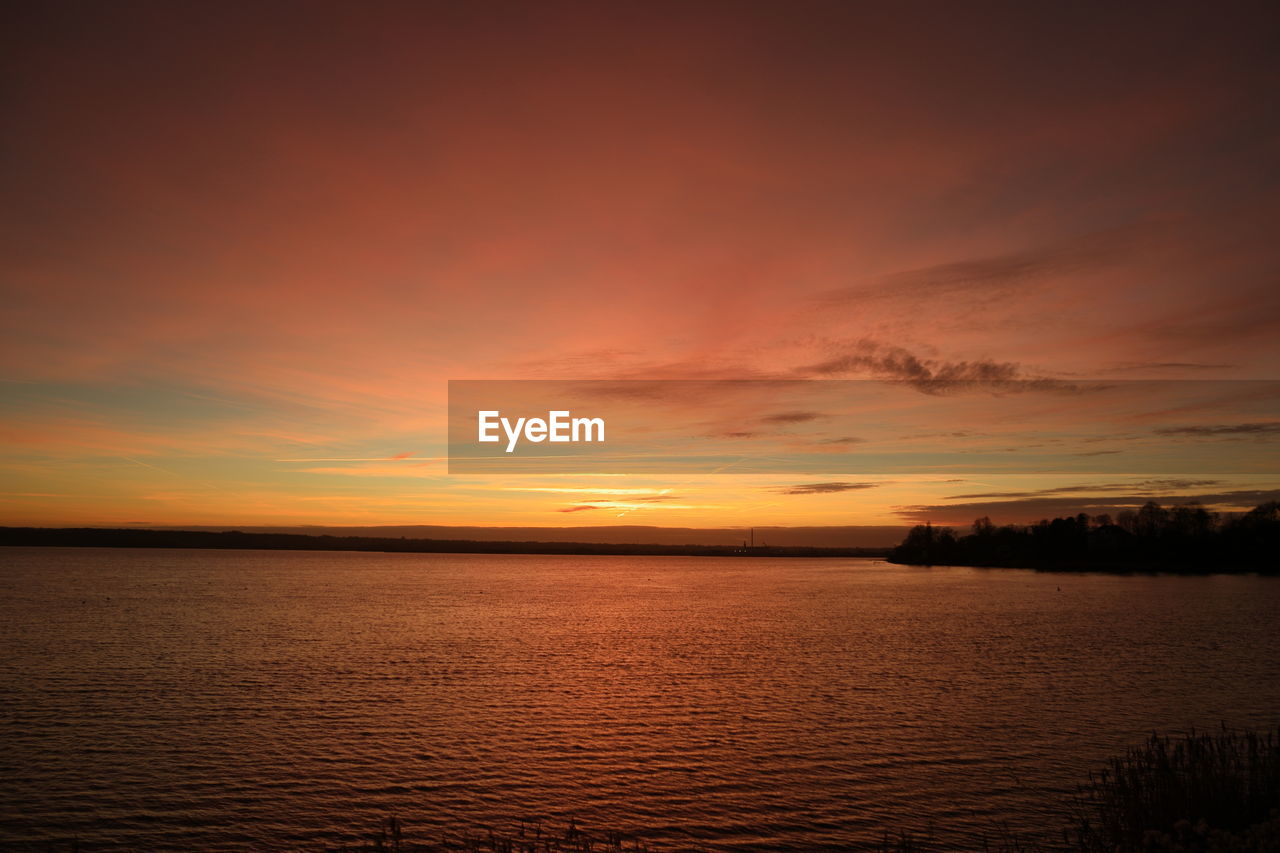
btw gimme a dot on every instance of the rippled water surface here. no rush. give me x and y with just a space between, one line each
228 700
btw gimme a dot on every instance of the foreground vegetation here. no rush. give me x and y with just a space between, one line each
1187 539
1201 792
1204 792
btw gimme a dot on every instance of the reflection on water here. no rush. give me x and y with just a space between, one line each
224 700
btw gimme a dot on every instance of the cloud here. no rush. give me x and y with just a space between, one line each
376 469
648 499
834 445
579 508
1236 317
513 237
791 417
775 424
396 458
1033 509
1211 430
1159 485
825 488
1130 366
631 499
590 490
997 276
931 375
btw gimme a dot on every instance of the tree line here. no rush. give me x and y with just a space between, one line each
1186 538
91 537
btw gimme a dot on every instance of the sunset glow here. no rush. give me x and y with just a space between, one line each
640 426
235 290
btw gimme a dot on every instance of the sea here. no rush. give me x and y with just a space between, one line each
269 700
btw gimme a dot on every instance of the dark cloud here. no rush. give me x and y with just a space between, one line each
963 433
791 417
931 375
1131 366
579 508
1033 509
825 488
777 419
1211 430
844 439
1144 486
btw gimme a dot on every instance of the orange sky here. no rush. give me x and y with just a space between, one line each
235 237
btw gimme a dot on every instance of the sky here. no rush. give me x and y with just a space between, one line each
246 246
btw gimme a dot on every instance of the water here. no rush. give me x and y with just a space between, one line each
230 700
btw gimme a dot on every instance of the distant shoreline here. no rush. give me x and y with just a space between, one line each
96 537
1065 567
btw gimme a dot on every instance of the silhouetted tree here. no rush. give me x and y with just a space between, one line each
1185 538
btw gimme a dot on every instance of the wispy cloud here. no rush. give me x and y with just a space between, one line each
1215 430
1024 510
997 277
396 458
588 490
825 488
1144 487
1134 366
791 417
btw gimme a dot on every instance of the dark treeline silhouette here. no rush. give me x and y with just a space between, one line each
1187 539
92 537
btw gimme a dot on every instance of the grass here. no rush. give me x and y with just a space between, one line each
1204 791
